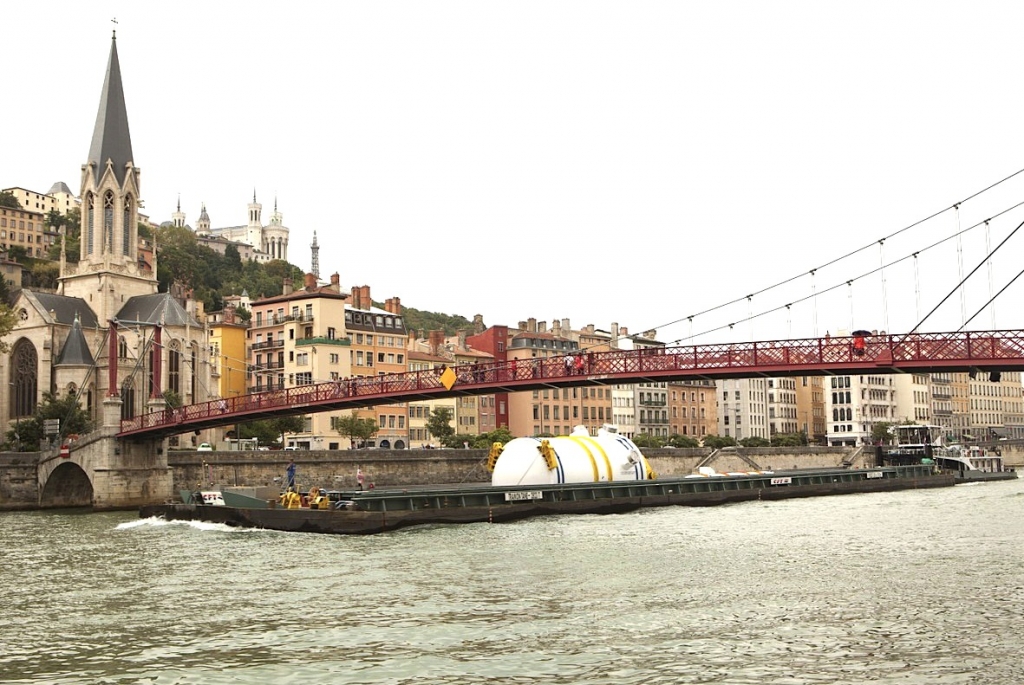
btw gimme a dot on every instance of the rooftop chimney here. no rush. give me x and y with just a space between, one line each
286 286
310 282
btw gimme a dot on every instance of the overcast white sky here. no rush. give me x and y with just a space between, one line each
635 162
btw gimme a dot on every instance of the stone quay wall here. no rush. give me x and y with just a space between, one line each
19 482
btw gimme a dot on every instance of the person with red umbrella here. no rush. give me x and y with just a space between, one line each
859 342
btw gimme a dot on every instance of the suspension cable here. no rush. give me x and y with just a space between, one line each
964 280
849 254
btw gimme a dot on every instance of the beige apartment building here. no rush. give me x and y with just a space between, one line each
299 338
58 198
25 228
419 412
810 408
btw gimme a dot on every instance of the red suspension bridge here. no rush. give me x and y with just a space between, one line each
987 351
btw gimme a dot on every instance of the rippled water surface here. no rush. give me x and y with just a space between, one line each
909 587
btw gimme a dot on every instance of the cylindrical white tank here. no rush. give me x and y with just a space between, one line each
576 458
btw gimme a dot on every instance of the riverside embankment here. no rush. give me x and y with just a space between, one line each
336 469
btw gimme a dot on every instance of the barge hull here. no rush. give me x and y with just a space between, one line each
387 511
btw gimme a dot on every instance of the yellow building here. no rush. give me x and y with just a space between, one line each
229 354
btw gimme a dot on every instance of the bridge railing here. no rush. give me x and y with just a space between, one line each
981 348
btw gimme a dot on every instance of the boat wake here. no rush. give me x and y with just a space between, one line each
158 522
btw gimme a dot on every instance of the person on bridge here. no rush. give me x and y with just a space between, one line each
569 362
513 369
580 365
858 345
360 478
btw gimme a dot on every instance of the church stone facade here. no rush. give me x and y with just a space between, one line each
63 340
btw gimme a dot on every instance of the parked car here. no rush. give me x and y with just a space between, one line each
204 447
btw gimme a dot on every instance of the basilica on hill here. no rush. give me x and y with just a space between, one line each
264 243
107 334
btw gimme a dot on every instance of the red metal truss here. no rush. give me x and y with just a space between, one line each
914 352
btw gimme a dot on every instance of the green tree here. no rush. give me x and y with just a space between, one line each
677 440
72 223
789 439
145 231
881 433
717 442
232 259
172 399
44 274
646 440
7 199
439 424
755 441
17 253
271 431
73 419
357 430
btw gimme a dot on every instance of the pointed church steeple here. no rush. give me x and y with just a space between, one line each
111 139
108 271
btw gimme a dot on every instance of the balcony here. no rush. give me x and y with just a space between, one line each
653 403
323 341
268 344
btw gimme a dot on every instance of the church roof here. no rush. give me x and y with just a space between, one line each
59 187
110 138
158 308
76 348
66 310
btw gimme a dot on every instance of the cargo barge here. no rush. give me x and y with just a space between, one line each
382 510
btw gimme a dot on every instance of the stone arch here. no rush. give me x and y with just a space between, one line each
67 486
24 395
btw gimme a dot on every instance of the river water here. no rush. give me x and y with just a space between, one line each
907 587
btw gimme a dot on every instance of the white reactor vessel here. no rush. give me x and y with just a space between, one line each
575 458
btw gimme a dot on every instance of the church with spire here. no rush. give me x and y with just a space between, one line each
108 301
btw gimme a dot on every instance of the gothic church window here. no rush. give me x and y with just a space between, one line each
25 365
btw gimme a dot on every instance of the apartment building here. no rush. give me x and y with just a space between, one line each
782 406
743 408
810 408
693 409
420 411
300 338
377 339
854 404
58 198
25 228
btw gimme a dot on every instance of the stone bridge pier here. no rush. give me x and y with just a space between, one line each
106 473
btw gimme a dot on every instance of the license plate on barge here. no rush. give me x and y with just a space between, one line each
523 495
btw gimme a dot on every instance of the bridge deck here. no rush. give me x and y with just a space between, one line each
910 353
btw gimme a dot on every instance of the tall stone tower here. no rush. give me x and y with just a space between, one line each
108 271
314 267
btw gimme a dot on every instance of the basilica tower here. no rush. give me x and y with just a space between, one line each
108 271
